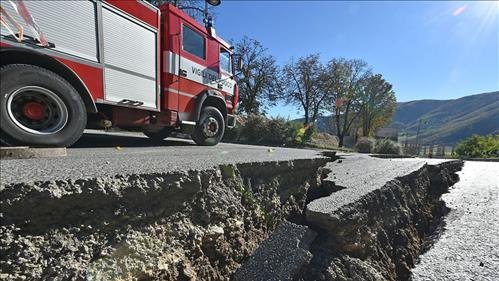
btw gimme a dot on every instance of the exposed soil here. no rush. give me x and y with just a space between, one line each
182 226
208 225
379 237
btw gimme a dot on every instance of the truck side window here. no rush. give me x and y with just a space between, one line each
225 61
193 42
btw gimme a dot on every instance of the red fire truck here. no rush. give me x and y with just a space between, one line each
71 65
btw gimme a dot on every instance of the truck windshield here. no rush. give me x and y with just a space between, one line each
225 60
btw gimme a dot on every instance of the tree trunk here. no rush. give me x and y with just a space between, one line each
338 130
365 128
367 122
344 129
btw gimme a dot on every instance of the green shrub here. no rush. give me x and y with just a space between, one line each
232 135
324 140
365 145
297 132
309 131
301 133
386 146
277 131
479 147
258 129
254 129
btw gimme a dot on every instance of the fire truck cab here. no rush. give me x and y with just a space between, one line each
70 65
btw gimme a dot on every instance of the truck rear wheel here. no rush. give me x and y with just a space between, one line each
210 128
39 108
160 135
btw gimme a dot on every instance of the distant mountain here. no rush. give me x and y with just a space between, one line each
448 121
442 121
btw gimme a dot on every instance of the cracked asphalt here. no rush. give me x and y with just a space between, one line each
468 246
360 174
110 154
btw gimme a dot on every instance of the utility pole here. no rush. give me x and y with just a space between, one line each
406 142
205 12
417 134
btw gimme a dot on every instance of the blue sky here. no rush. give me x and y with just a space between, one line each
427 50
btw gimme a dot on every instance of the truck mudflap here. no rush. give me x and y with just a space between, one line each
231 121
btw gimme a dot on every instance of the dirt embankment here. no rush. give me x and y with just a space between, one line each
194 225
218 224
380 235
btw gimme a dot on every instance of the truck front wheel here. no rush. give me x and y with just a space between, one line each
210 128
39 108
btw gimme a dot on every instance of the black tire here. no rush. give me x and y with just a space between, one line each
160 135
200 136
61 116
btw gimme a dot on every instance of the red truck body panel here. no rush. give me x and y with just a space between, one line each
177 94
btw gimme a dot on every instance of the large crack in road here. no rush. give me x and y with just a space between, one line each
371 228
198 224
292 215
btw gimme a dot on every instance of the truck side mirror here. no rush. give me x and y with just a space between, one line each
238 63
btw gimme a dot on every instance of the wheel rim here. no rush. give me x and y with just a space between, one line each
210 127
37 110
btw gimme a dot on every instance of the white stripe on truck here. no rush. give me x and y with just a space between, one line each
196 72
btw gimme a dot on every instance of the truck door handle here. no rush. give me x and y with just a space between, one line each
183 72
131 102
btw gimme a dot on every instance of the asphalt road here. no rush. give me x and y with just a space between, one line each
110 154
468 247
359 175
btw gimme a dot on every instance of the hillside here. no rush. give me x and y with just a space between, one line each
448 121
443 121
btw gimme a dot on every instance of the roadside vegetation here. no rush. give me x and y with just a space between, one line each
360 100
479 147
380 146
365 145
260 130
386 146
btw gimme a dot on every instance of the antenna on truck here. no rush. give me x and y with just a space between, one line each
207 20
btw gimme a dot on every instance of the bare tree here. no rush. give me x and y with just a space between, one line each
378 104
344 84
302 86
258 80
